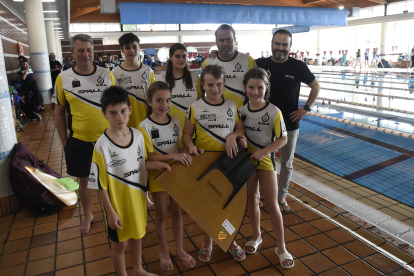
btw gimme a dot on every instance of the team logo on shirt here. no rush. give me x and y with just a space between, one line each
290 77
75 83
124 79
113 154
176 129
230 113
101 81
268 73
209 117
205 110
139 153
144 76
92 178
116 163
265 118
243 117
238 68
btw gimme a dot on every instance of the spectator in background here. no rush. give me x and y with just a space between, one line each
70 63
147 61
412 57
199 60
120 59
110 61
21 58
194 65
31 91
55 67
102 62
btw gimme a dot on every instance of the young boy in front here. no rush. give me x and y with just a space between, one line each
118 171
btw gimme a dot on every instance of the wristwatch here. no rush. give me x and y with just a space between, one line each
306 107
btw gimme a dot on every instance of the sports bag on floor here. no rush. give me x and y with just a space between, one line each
30 192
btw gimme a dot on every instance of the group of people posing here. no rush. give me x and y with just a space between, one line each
125 122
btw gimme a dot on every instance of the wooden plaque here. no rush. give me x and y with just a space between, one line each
204 200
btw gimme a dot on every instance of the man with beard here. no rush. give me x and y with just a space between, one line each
235 64
286 75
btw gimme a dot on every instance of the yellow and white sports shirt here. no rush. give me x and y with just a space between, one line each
213 123
235 70
82 96
121 171
166 138
263 127
182 97
136 82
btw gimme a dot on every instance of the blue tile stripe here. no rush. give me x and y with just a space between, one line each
41 72
44 91
4 94
39 53
4 155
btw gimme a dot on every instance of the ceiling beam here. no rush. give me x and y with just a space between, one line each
305 2
379 1
81 12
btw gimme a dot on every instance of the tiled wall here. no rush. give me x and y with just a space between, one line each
12 30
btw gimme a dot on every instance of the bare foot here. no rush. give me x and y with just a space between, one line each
86 224
260 204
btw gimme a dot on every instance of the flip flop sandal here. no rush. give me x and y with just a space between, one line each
164 261
283 257
282 205
234 252
205 252
253 244
188 260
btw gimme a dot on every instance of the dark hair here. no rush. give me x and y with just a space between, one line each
285 32
215 70
154 87
225 27
114 95
258 74
21 57
109 54
169 76
24 60
127 38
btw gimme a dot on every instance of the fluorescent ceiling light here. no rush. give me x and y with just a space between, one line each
50 11
54 18
42 0
341 7
57 28
57 23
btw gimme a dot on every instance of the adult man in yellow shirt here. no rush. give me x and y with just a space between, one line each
78 91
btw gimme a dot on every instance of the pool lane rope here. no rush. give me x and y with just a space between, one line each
361 104
382 75
367 80
381 129
372 86
363 93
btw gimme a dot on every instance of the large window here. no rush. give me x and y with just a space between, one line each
94 27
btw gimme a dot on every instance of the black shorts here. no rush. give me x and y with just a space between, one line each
78 156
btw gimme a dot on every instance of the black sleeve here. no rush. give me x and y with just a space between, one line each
52 66
60 64
306 75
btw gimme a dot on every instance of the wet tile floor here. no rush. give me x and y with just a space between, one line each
51 244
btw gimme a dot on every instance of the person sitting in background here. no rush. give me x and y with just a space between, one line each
69 64
31 91
194 65
147 61
120 59
102 62
110 61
